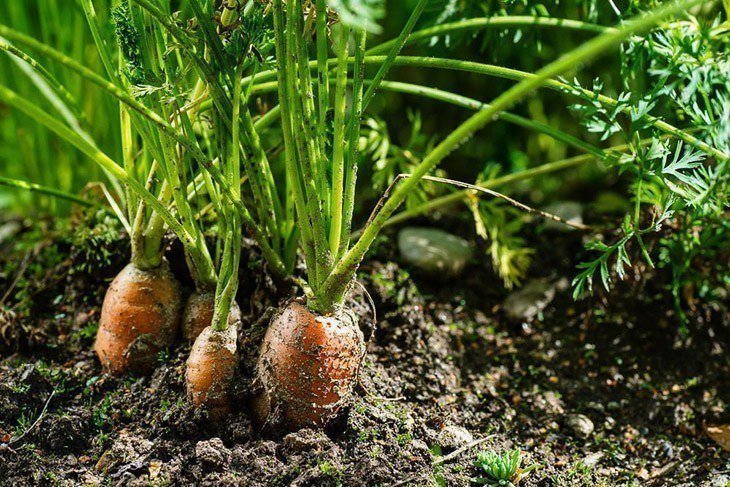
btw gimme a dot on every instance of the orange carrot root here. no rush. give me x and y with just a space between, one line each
139 318
211 367
308 366
198 314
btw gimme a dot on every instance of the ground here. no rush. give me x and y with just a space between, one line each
597 392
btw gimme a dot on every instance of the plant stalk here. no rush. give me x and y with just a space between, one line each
339 279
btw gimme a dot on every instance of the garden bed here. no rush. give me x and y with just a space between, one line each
614 395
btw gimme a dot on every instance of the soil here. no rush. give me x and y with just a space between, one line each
595 392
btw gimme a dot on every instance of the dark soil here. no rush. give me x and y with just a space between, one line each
445 368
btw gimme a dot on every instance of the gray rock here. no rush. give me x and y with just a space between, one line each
434 252
453 437
579 425
213 454
596 406
592 459
571 211
526 303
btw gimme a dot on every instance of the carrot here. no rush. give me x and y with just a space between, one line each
139 318
211 367
198 314
308 366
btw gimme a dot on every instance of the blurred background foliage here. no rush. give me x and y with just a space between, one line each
29 152
509 147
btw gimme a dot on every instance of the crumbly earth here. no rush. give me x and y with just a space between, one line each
445 369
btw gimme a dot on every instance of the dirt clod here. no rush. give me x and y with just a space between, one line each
127 454
580 425
213 454
453 437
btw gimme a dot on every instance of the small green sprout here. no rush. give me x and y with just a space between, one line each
501 469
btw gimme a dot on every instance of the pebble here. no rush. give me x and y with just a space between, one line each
453 437
420 445
9 230
592 459
434 252
550 402
526 303
595 406
580 425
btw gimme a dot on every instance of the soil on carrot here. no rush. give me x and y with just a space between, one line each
594 392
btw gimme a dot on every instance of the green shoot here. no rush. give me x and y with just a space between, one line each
503 470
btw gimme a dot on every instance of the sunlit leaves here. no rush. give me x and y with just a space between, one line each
390 159
613 255
691 61
500 226
594 115
664 175
362 14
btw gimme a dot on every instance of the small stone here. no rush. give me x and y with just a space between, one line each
592 460
595 406
453 437
213 454
526 303
571 211
580 425
434 252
